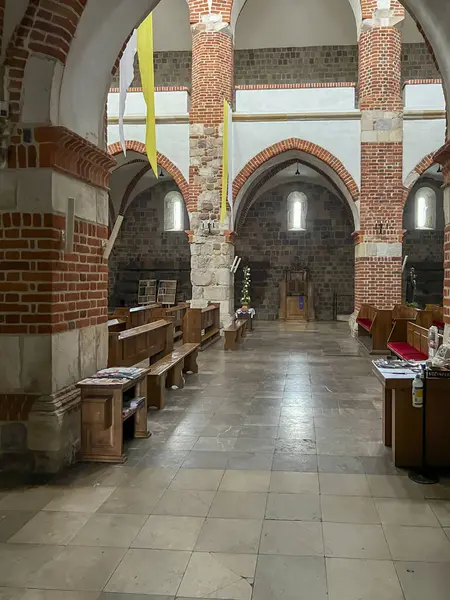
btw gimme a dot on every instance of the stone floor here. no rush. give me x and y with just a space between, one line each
265 479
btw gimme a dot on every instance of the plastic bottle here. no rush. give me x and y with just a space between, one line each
417 392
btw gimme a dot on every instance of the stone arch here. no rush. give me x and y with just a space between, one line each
423 166
308 148
163 161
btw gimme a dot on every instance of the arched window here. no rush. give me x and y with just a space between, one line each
297 208
425 208
173 212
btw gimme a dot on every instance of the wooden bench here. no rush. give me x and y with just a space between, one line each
202 325
235 333
116 326
138 315
409 341
132 346
374 327
424 318
437 315
168 372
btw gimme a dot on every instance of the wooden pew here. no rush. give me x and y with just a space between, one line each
175 314
409 341
130 347
235 333
437 315
138 315
374 327
116 325
202 325
424 318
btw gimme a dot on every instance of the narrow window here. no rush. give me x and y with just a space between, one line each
297 209
426 208
173 212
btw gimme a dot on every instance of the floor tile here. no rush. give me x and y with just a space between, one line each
245 481
428 544
197 479
114 596
254 445
206 460
301 463
438 491
28 499
109 530
217 444
11 521
139 501
215 575
351 540
258 431
187 503
340 464
23 594
230 536
149 572
239 505
80 499
293 507
441 509
424 580
49 527
78 568
395 511
338 484
298 538
250 461
394 486
349 509
163 532
362 580
19 562
290 578
294 483
151 478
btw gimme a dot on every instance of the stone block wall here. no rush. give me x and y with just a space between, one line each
143 250
325 248
265 66
425 250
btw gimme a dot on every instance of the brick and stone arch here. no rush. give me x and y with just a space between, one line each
265 164
163 161
423 166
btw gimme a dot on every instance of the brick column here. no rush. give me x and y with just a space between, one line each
53 304
212 81
443 158
378 251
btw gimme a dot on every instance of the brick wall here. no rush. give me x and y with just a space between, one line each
425 250
326 249
171 69
42 288
143 250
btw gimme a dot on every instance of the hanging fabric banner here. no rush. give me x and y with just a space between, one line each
210 6
146 67
230 166
225 159
126 76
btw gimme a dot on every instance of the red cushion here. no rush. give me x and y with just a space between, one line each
439 324
366 323
406 351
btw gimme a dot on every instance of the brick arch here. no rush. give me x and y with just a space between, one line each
423 166
163 161
303 146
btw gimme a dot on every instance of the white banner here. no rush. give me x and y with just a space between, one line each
230 166
126 75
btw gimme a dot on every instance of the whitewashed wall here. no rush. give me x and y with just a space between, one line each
340 99
419 139
424 97
166 103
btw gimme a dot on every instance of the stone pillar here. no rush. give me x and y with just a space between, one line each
54 308
443 158
378 253
212 81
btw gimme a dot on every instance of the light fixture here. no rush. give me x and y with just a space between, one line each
297 172
161 172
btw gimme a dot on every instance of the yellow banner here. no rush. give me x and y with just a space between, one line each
146 67
226 134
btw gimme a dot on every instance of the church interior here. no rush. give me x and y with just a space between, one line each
224 299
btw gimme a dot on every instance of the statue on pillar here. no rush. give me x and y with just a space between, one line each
411 286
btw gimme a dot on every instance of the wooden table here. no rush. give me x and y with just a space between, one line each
103 415
402 423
